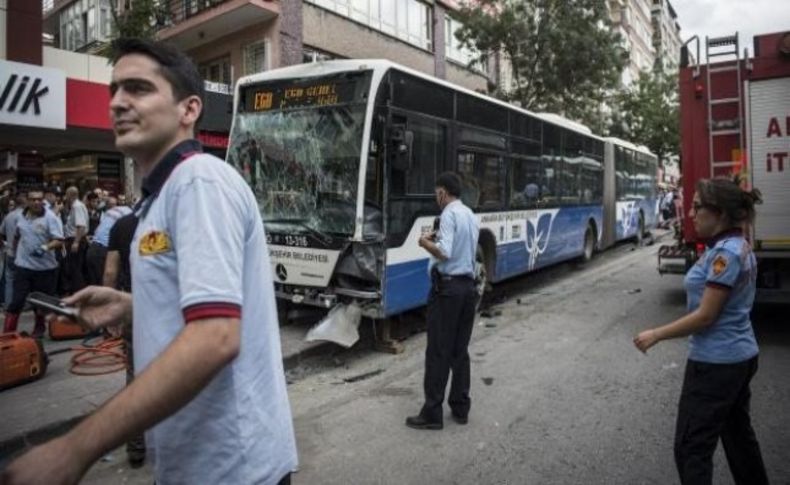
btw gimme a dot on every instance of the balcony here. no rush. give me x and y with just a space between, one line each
192 23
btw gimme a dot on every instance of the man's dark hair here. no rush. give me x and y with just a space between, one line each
91 196
175 66
450 182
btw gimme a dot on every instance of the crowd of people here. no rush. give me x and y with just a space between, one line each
55 242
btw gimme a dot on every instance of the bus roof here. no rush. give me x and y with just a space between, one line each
322 68
628 144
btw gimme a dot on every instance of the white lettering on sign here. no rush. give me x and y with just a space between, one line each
303 266
32 95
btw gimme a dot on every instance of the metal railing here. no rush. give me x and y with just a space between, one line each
180 10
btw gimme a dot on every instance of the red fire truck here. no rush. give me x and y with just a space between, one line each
735 118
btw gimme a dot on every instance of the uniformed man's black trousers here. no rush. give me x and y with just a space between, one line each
451 313
714 404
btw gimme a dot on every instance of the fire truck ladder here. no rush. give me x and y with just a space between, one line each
715 47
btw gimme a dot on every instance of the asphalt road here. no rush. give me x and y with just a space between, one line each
559 393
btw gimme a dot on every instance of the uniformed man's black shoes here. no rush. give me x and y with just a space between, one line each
419 422
460 419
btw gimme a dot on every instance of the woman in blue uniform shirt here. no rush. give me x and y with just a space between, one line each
714 402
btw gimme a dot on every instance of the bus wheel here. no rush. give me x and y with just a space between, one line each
589 245
481 276
640 230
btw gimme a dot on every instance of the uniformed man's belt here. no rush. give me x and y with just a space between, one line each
448 277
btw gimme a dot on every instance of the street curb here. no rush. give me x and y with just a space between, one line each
11 446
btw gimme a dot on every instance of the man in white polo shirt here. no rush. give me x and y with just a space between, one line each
215 403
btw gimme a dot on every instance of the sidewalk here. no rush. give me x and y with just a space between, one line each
35 412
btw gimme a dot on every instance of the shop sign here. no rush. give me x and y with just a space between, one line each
214 87
32 95
213 140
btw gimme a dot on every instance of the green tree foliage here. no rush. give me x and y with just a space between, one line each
139 18
647 112
565 57
143 19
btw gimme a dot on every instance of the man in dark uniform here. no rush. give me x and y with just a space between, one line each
118 274
451 307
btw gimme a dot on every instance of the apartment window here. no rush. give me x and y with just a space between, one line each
409 20
255 57
84 22
217 71
453 49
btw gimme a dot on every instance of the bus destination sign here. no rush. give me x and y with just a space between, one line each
293 95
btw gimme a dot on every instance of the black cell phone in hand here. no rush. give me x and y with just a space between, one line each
52 304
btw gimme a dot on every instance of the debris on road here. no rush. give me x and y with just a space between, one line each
488 381
633 291
362 377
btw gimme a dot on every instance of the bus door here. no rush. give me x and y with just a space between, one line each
416 154
418 148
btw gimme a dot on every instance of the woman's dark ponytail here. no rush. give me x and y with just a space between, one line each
727 195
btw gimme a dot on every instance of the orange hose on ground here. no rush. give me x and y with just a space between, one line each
106 357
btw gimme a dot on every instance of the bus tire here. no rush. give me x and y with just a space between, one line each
588 248
640 230
481 276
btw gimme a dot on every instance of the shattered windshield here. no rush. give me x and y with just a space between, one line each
298 145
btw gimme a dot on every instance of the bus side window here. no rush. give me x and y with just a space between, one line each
470 188
525 183
428 152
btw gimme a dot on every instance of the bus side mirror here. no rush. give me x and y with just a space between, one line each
402 146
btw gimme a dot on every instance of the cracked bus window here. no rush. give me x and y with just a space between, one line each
298 145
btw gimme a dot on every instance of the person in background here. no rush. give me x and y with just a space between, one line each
118 275
723 352
75 230
7 236
39 233
97 250
94 212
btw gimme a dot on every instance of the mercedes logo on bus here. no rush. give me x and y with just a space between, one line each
282 273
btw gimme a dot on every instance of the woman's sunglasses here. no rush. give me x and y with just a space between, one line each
699 205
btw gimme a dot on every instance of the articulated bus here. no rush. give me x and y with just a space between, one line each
343 155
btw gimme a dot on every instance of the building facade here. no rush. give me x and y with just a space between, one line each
666 34
233 38
229 39
633 20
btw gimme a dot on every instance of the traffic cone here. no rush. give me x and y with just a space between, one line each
11 320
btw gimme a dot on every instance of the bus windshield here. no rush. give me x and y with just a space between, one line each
298 145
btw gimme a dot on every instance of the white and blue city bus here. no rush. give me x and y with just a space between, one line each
635 194
343 155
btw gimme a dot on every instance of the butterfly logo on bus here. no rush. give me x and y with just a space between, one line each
627 216
539 224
